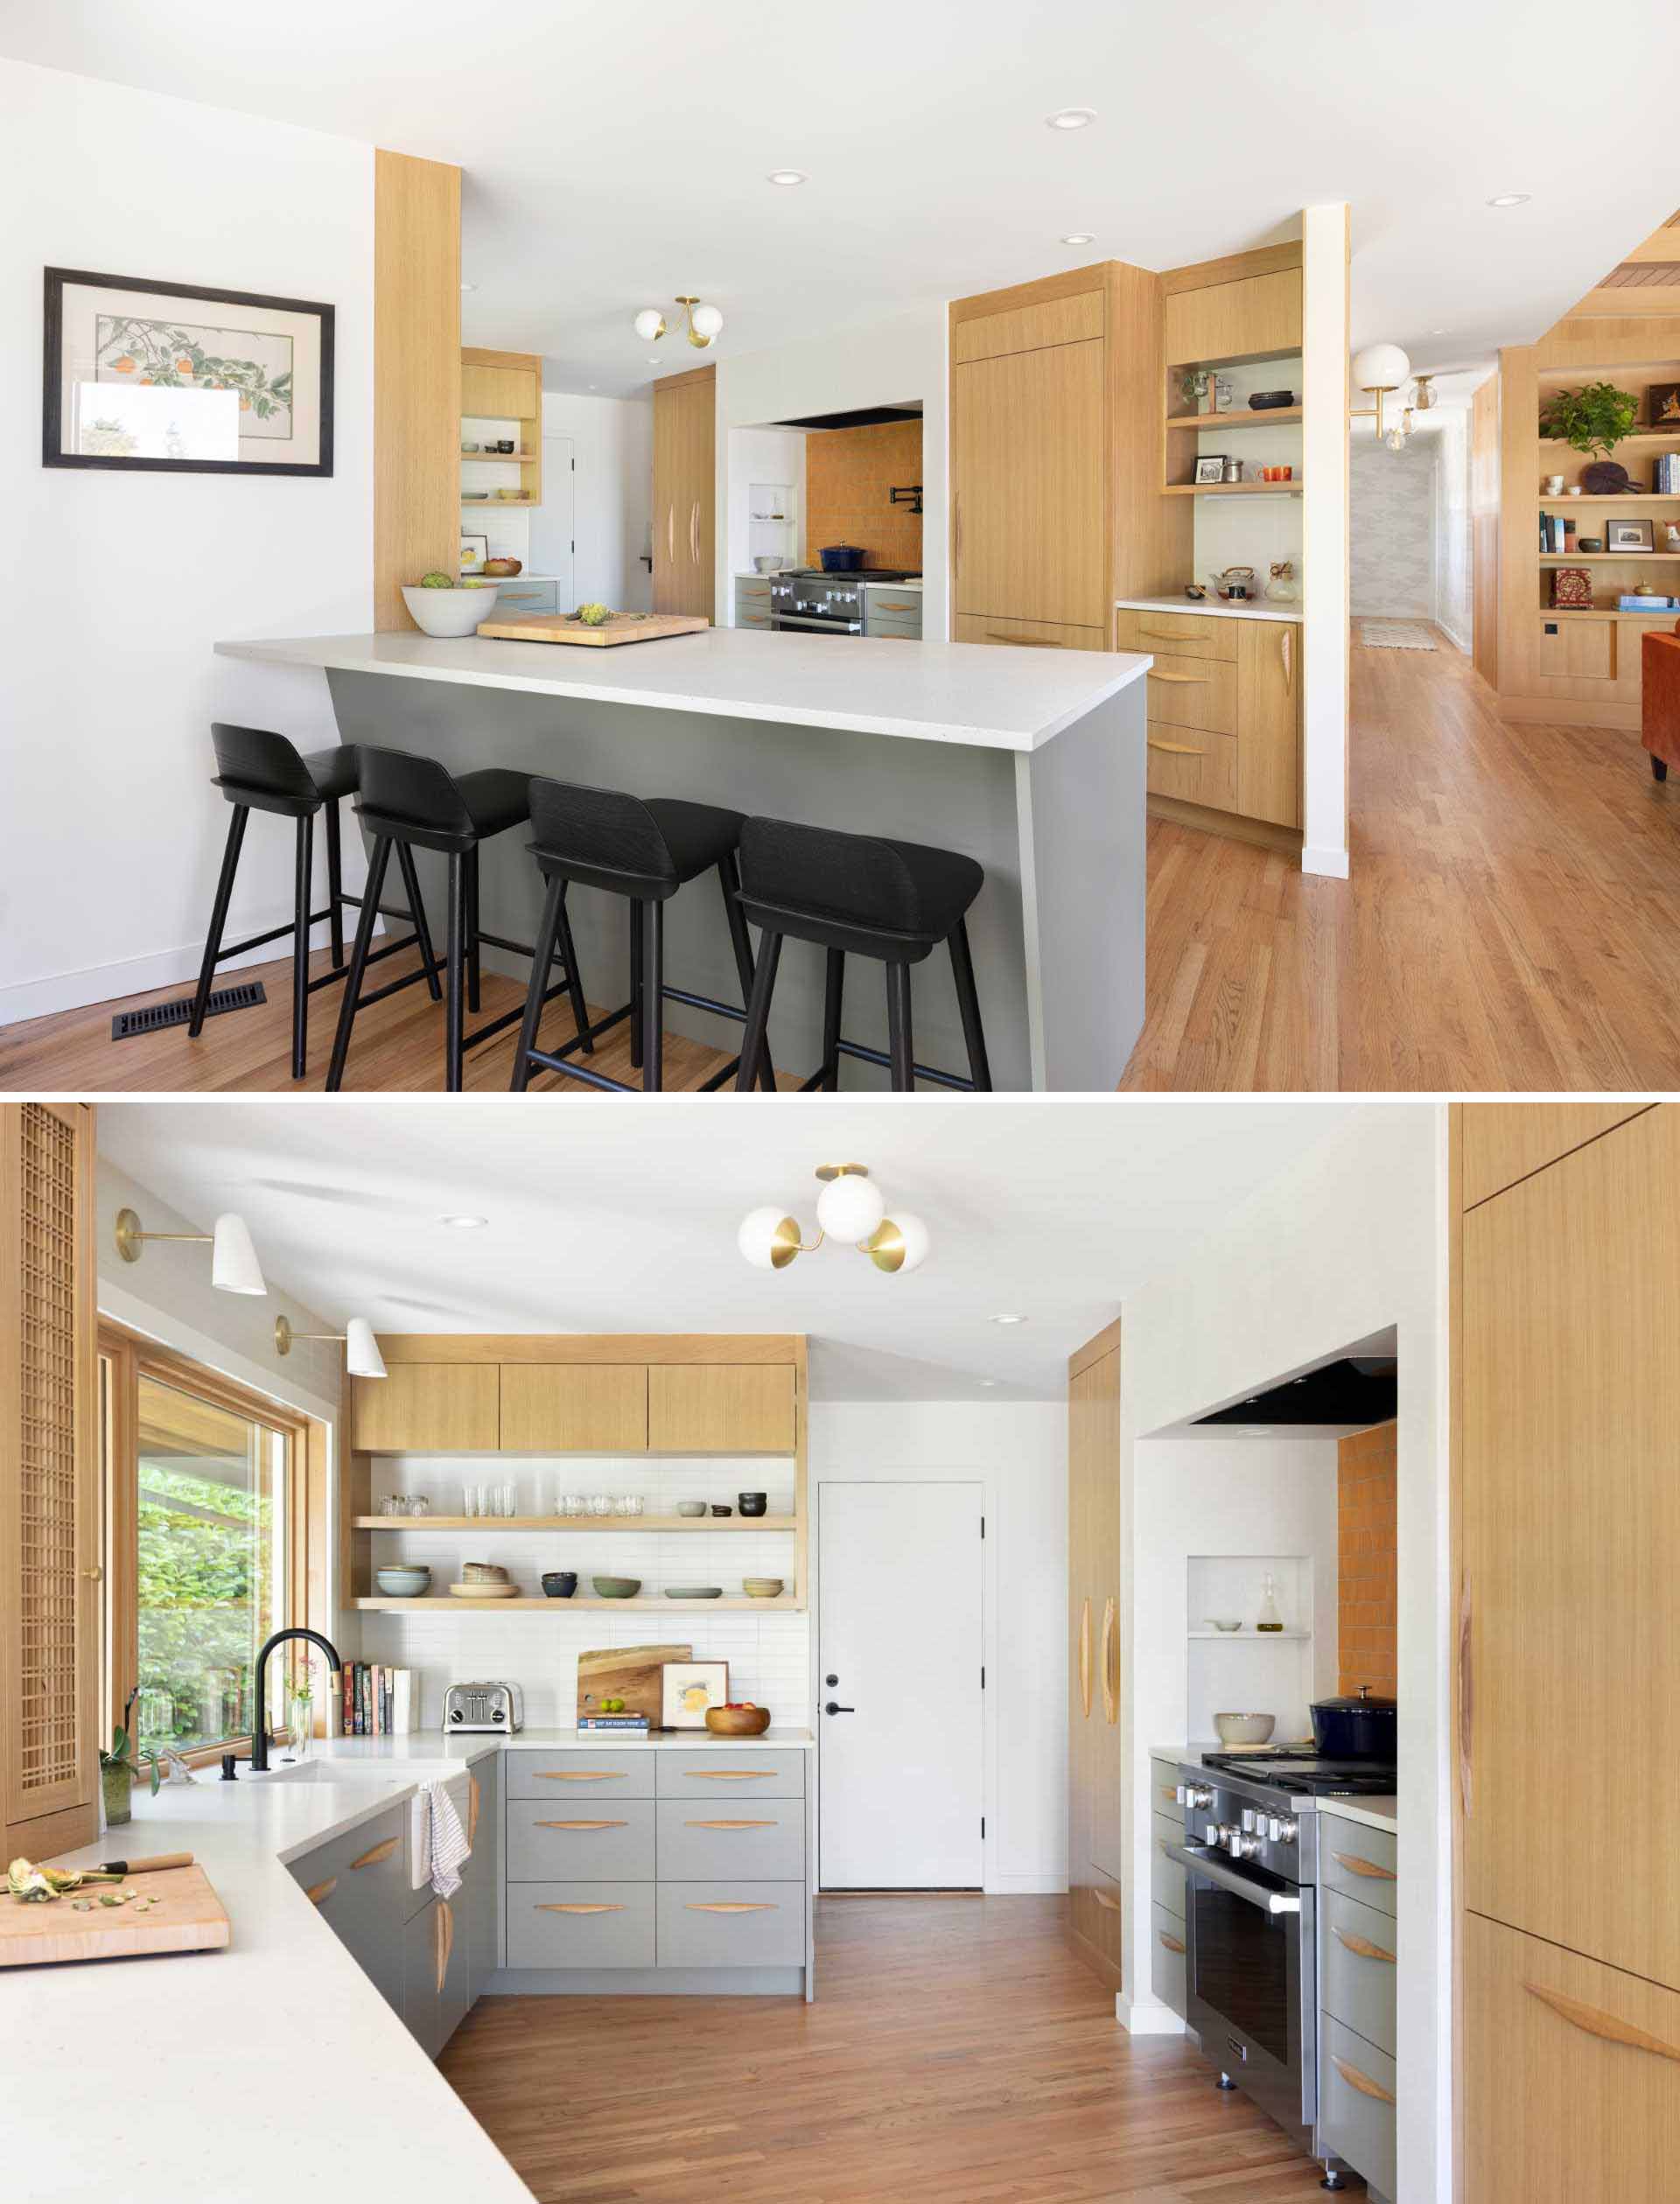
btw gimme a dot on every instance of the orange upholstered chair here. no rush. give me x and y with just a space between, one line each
1660 712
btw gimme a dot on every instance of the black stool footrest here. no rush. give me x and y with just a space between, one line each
934 1077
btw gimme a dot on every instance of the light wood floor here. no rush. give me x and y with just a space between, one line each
956 2054
1512 922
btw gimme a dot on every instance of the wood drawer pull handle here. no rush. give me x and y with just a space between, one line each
322 1892
445 1936
1173 1943
1362 1946
582 1825
1177 749
1357 1865
729 1825
1171 1798
1466 1699
559 1775
1286 647
1106 1900
1171 635
579 1909
471 1810
1180 681
1362 2083
1108 1659
728 1774
1604 2024
1024 642
374 1853
731 1906
1085 1658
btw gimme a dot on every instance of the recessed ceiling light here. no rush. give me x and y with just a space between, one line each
785 176
1079 237
1009 1319
1069 118
1511 198
465 1224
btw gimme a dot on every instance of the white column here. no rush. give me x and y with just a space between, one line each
1325 634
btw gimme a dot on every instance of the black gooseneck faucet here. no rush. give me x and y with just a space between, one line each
260 1712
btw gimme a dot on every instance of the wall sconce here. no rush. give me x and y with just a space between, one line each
703 323
1378 371
233 1267
851 1208
361 1355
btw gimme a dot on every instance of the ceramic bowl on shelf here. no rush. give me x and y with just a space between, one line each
616 1587
737 1721
690 1507
1214 1622
1244 1729
766 563
694 1591
402 1583
751 1503
484 1590
483 1572
449 612
762 1587
559 1584
716 1511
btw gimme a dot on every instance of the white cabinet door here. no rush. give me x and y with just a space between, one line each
554 523
899 1603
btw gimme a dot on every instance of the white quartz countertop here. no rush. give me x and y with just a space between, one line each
991 696
1214 607
273 2066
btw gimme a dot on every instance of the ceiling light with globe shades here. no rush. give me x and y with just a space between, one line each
851 1208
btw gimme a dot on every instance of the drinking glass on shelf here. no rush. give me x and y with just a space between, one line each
504 1499
419 1504
392 1504
601 1504
629 1504
470 1496
574 1504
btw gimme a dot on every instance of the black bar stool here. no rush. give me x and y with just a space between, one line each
857 894
262 770
410 802
644 851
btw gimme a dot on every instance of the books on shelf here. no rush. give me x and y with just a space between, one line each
1665 475
378 1701
1630 603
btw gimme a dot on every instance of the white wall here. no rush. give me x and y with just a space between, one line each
1350 1241
1018 1451
1392 538
1324 521
885 363
761 455
612 444
1454 610
118 584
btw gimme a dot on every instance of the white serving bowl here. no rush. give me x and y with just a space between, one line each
1244 1729
449 612
766 564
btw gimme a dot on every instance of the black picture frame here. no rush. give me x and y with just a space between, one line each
1214 459
1616 535
51 380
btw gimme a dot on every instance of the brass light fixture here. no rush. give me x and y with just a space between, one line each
851 1208
703 323
361 1355
234 1266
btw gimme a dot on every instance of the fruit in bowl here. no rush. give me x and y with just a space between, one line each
502 568
738 1717
440 606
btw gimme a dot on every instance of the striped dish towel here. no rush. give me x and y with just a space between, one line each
446 1840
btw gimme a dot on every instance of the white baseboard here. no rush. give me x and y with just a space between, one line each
140 974
1333 864
1026 1885
1141 2017
1459 642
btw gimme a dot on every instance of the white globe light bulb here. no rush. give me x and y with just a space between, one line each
708 322
850 1208
1380 367
913 1234
767 1238
649 324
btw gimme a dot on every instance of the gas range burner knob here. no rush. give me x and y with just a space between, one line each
1195 1796
1282 1832
1251 1821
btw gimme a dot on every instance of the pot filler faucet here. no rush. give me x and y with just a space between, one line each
259 1713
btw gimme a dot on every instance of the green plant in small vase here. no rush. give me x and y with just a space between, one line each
302 1717
117 1770
1592 419
1193 384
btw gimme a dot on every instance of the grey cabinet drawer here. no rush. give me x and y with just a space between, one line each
724 1771
580 1925
1356 1968
1163 1790
1165 1876
755 595
700 1839
359 1884
1362 1862
731 1924
754 619
573 1839
878 621
1356 2107
579 1775
434 1975
1167 1960
521 596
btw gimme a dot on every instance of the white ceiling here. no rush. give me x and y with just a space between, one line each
616 155
625 1219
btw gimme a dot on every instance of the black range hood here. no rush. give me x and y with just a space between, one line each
1352 1393
860 417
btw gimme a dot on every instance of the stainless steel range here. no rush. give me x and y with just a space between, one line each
805 599
1250 1856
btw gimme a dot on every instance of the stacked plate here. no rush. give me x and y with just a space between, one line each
484 1580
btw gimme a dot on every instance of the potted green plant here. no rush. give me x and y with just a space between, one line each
1594 419
117 1770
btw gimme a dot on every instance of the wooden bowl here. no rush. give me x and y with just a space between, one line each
737 1721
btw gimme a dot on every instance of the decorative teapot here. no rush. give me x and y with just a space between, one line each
1234 582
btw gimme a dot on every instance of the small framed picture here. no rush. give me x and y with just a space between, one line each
1629 535
475 551
1210 466
689 1687
1664 400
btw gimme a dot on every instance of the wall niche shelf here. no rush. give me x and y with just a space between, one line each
1635 497
1246 1636
1234 489
1588 558
615 1524
521 1604
1244 418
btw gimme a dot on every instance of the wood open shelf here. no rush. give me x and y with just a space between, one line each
577 1522
490 504
1234 489
1246 419
1590 558
1633 436
1599 611
499 458
1633 497
431 1603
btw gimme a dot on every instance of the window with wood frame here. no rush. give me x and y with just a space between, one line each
214 1535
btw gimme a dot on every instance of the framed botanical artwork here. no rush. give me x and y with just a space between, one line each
173 378
475 551
689 1687
1629 535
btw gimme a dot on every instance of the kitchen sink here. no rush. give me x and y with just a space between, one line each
351 1778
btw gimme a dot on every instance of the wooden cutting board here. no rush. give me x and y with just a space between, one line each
630 1673
188 1918
561 627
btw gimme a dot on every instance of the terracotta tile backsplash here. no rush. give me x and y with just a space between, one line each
848 473
1366 1553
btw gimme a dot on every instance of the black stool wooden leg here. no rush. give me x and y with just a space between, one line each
758 1010
636 944
729 874
365 922
968 1002
834 988
417 909
574 983
219 916
454 977
335 883
554 908
300 947
900 1046
653 1001
470 868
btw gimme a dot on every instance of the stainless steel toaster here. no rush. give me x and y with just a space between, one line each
484 1706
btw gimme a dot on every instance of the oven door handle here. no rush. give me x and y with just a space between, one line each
1202 1863
823 626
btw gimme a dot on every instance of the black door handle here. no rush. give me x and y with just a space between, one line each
832 1707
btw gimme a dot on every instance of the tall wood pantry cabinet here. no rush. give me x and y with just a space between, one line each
50 1533
1094 1735
1567 1332
684 491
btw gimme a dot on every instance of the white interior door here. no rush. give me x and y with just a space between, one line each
898 1660
554 523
